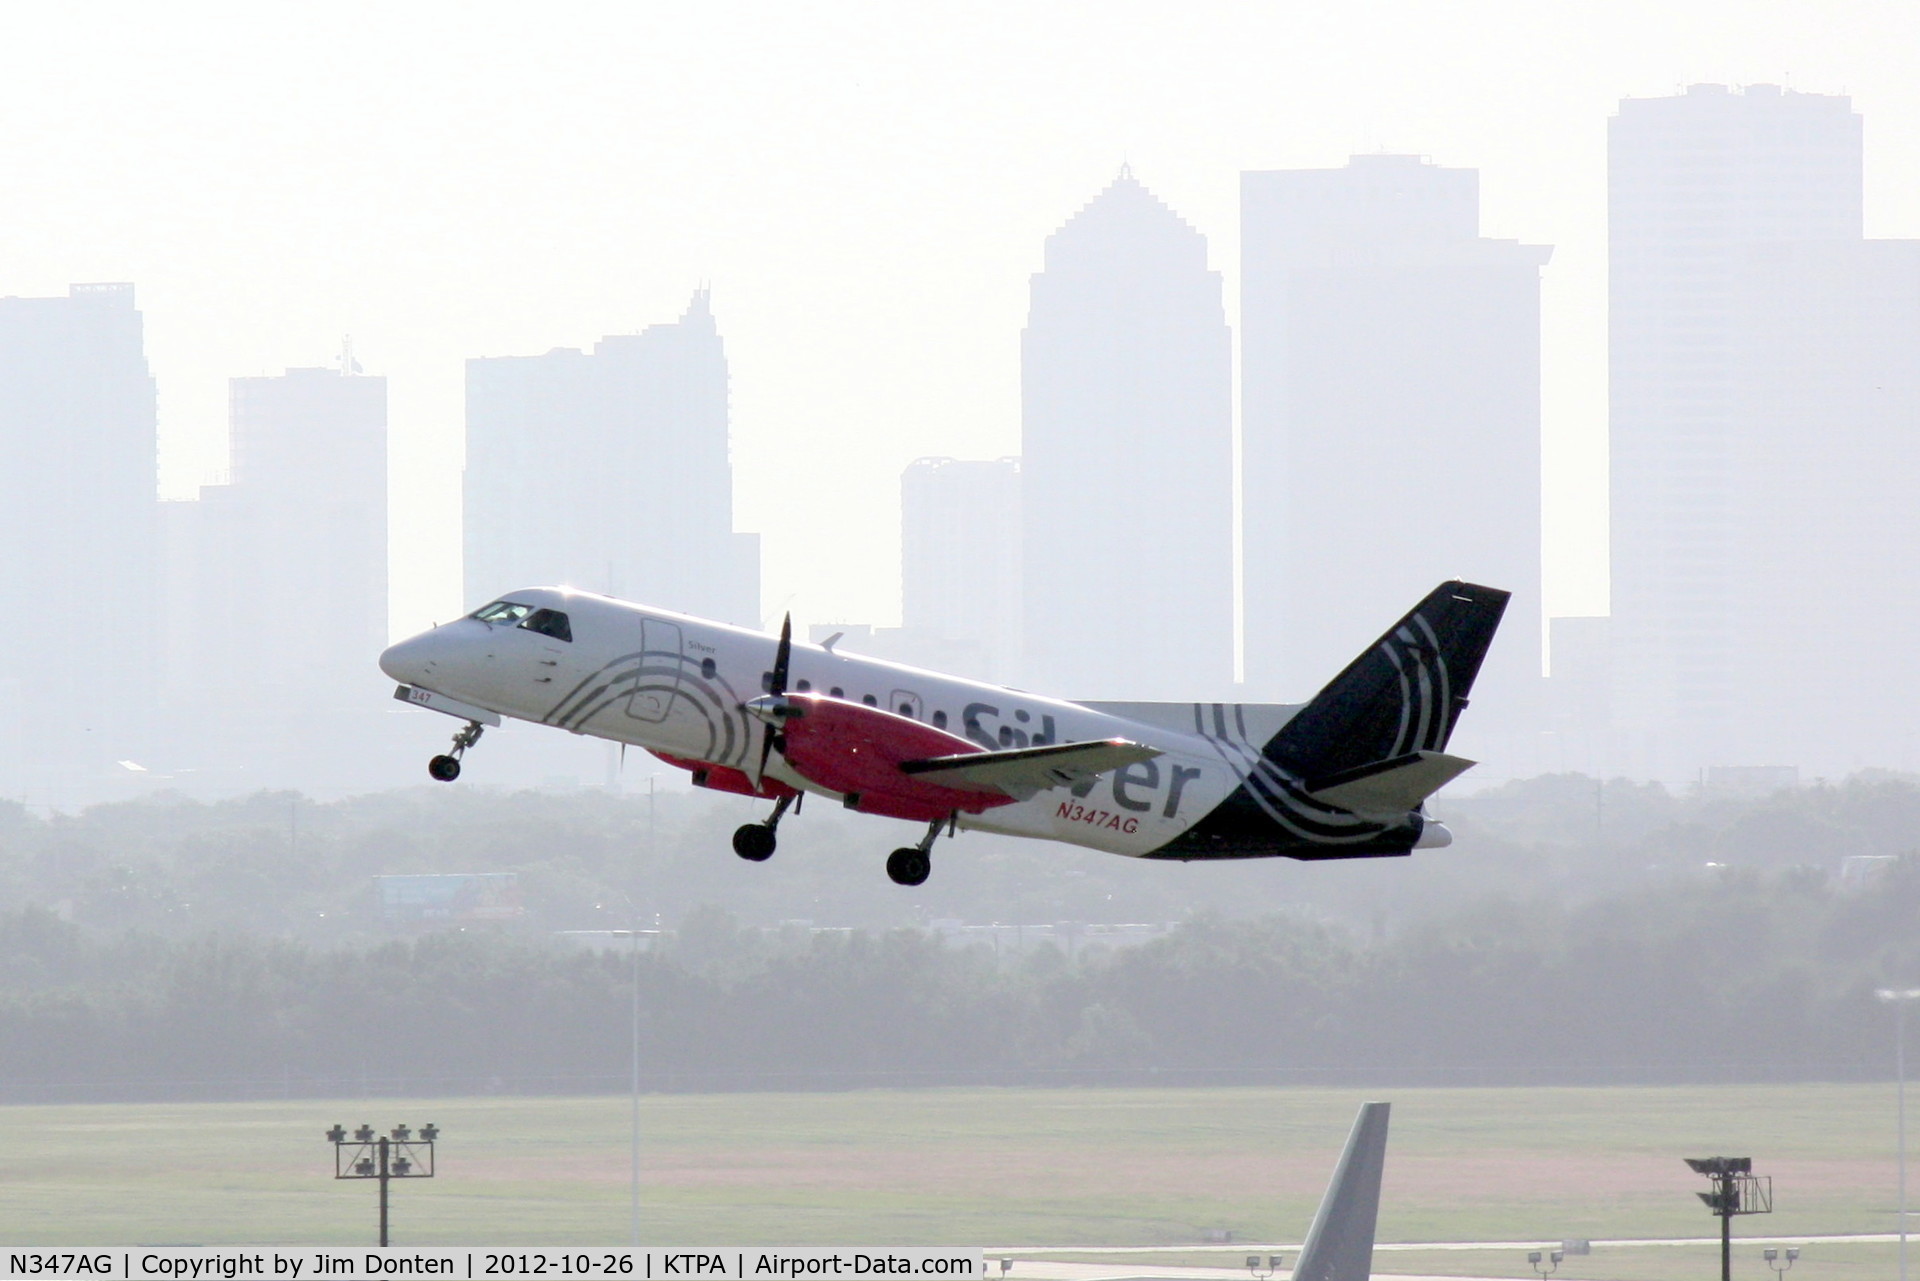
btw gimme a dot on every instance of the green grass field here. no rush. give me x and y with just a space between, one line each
980 1168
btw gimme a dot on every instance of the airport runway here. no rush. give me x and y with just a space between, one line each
1096 1272
1026 1268
1255 1247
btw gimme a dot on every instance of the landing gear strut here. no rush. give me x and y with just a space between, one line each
912 864
447 768
755 841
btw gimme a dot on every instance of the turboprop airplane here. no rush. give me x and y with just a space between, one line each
1343 776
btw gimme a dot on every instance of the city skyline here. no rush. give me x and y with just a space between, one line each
866 213
1405 341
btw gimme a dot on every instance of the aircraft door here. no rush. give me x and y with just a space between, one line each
658 680
904 702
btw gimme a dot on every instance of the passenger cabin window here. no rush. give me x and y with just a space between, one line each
906 709
806 687
870 700
550 622
504 612
939 720
837 692
708 667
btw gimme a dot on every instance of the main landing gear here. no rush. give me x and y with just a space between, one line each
912 864
754 842
447 768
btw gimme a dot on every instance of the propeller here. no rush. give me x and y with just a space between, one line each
772 707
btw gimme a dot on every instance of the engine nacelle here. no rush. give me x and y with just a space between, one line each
857 750
722 778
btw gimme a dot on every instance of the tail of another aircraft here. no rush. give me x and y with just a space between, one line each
1339 1245
1395 706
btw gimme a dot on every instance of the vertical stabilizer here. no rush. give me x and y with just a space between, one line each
1339 1245
1403 694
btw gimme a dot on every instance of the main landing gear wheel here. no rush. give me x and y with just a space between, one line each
446 768
754 842
909 866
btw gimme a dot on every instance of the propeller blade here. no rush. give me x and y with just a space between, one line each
782 657
777 690
766 753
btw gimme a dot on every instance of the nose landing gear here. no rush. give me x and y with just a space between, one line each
446 768
912 864
754 842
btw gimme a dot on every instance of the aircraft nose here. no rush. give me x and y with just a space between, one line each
411 662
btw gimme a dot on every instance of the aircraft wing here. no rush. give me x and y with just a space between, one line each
1022 772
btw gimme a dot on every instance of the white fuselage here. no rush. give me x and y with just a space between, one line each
677 685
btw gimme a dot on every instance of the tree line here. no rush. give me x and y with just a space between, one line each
1728 974
288 867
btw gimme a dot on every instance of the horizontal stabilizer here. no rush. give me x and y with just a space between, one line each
1022 772
1392 786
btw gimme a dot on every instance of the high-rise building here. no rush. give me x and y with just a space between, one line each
277 580
78 525
1390 410
609 472
296 534
1822 592
1697 184
1127 462
960 560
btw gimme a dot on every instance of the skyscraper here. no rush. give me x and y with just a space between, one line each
960 558
609 471
290 598
78 519
1127 464
1822 592
1697 183
1390 409
278 585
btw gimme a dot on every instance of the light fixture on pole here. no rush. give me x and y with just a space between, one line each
1772 1256
1272 1264
1736 1190
1898 998
400 1155
1534 1257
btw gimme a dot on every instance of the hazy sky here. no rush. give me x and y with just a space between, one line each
865 186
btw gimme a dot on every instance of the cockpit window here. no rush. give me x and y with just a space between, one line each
550 622
504 612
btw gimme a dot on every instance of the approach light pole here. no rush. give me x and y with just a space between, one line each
1898 998
633 1060
1273 1264
400 1155
1534 1257
1772 1255
1736 1190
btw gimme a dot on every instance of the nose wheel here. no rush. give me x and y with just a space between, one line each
754 842
912 864
445 768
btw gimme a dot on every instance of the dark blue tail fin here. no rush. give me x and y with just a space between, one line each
1402 695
